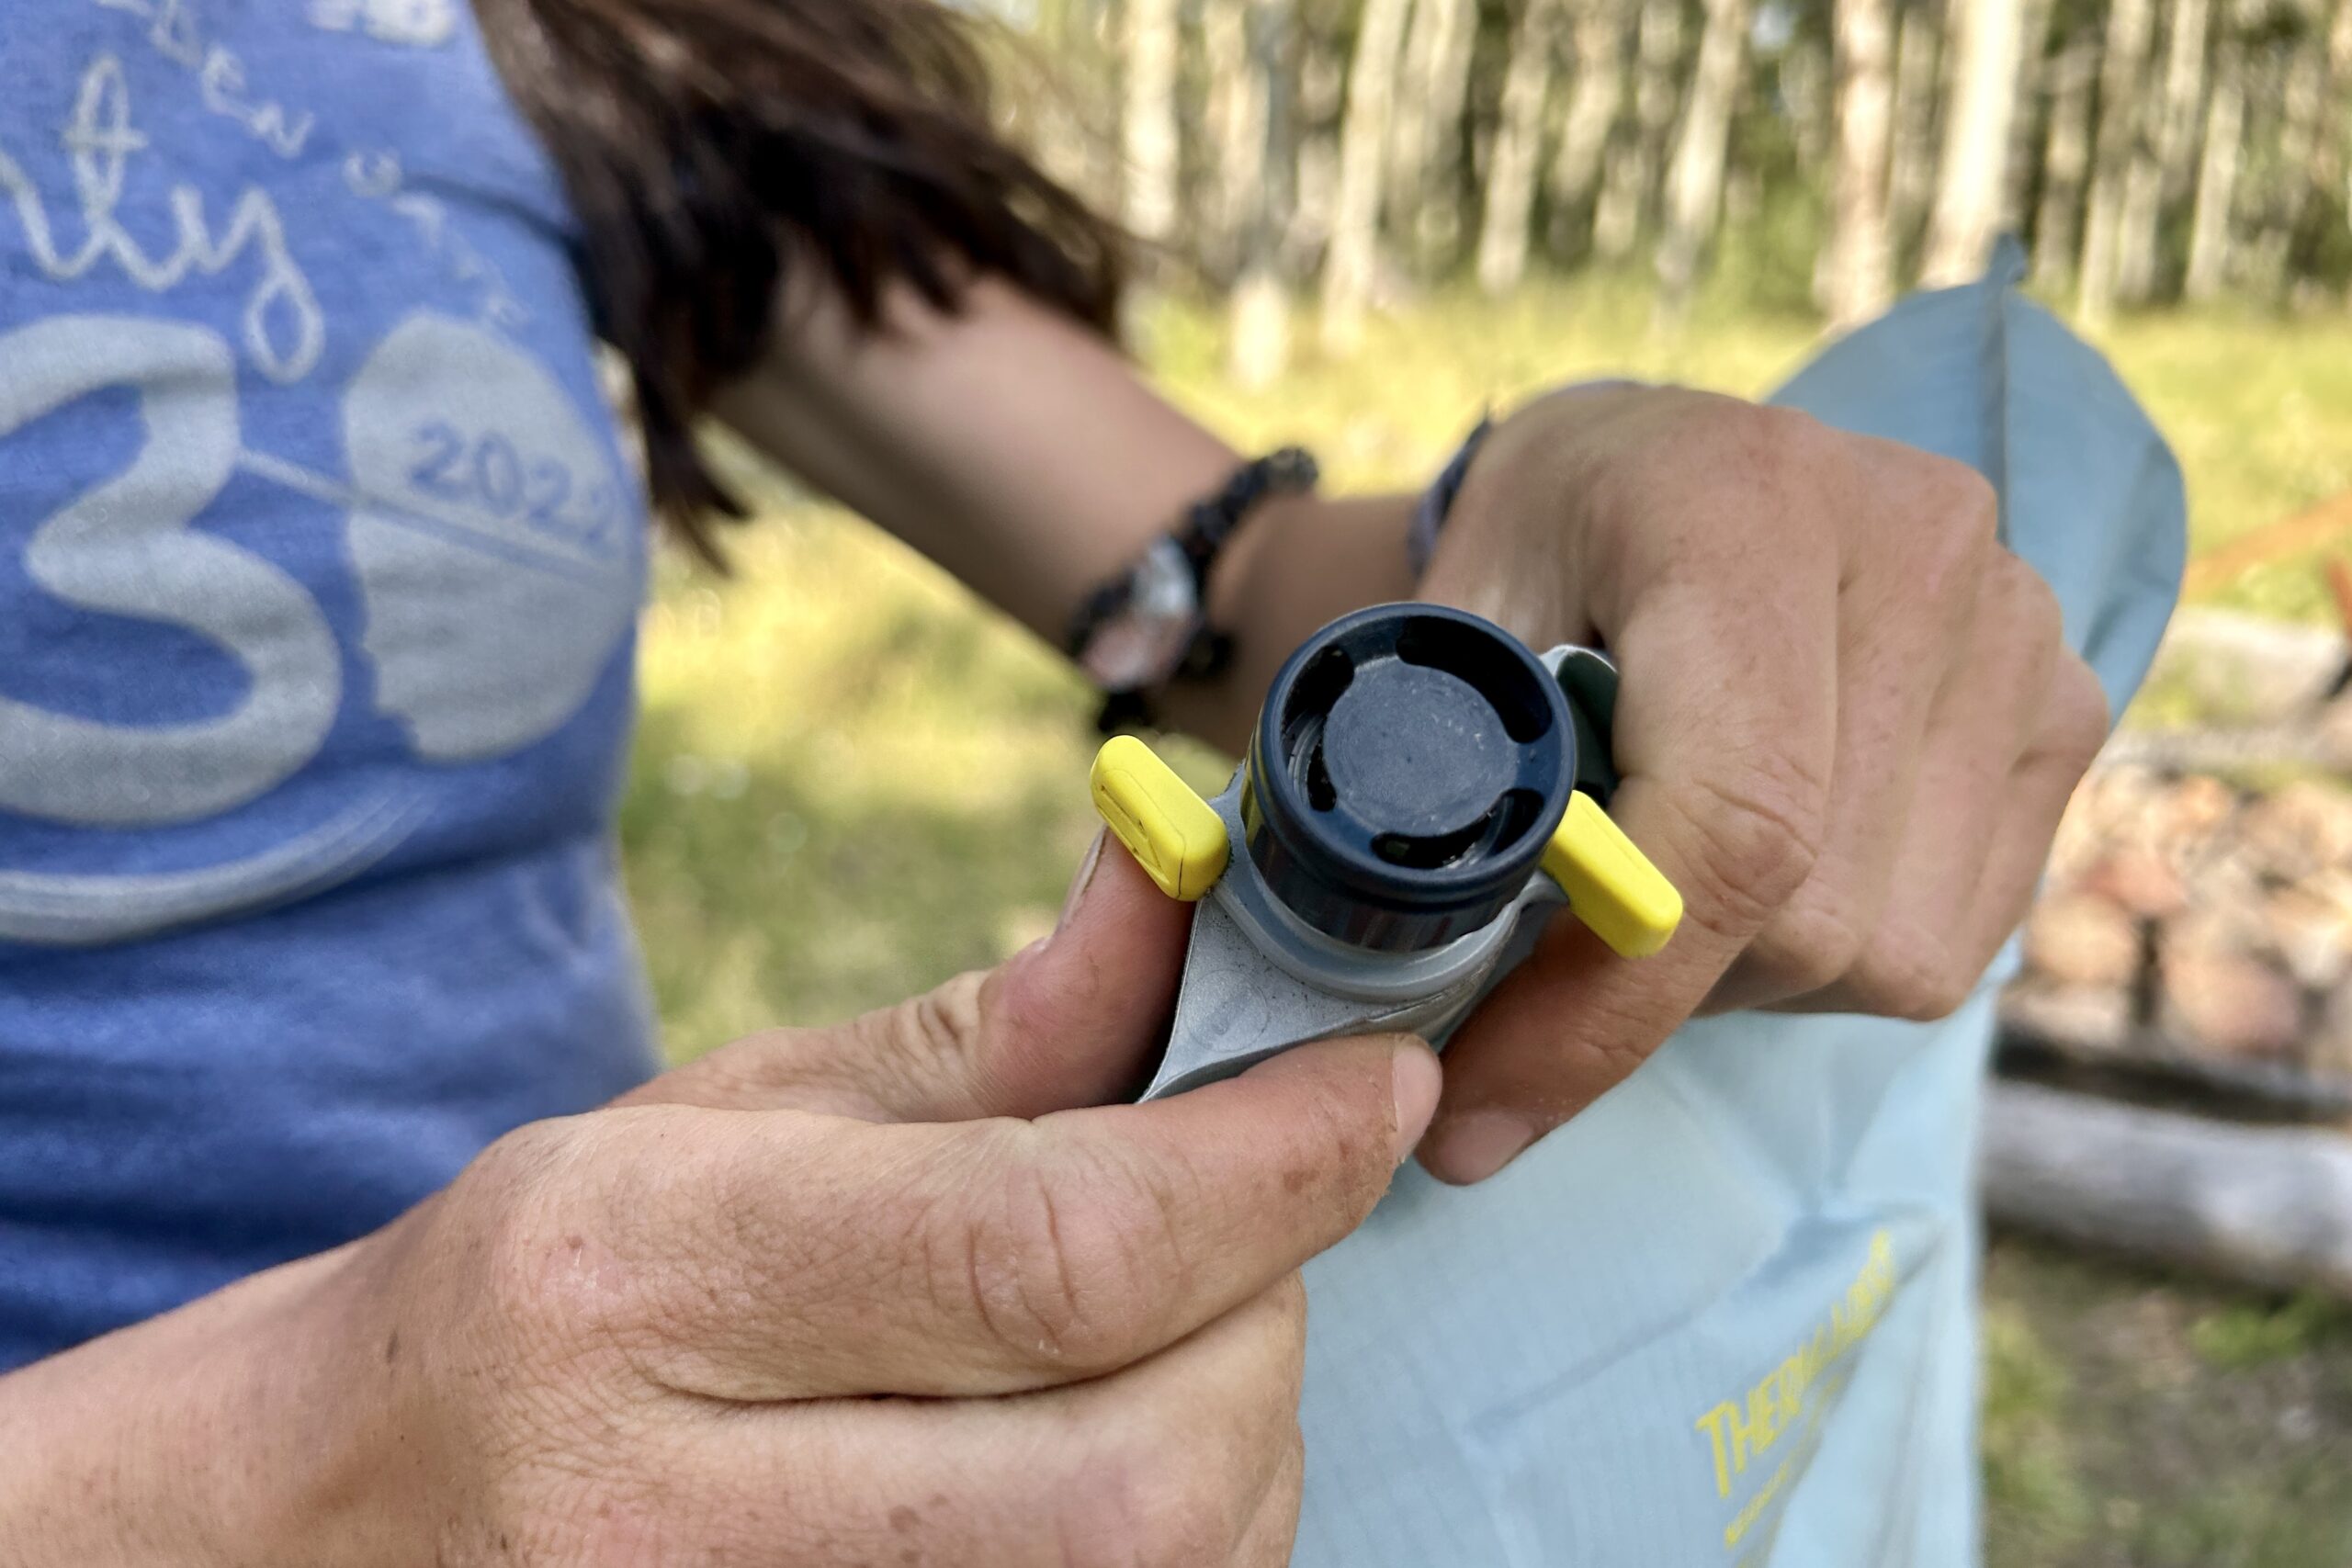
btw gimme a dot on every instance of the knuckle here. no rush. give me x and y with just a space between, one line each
2076 724
915 1043
1778 447
1915 977
517 1218
1809 946
2030 606
1072 1258
1963 510
1759 835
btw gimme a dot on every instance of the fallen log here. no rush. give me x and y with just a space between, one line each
2149 1067
2271 1206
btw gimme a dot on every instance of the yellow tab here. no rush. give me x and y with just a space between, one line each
1611 885
1175 835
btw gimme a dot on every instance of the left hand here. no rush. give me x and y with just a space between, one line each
1846 729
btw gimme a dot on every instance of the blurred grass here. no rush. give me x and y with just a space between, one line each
851 782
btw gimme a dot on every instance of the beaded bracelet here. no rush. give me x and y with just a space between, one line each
1148 626
1437 501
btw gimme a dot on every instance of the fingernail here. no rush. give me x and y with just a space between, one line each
1473 1146
1414 1086
1078 884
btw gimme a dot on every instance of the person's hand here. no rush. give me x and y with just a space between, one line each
1846 729
828 1298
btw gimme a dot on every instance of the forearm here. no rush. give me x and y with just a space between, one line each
1025 456
208 1435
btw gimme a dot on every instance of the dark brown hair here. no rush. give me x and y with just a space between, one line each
708 144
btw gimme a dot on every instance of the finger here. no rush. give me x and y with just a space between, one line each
1168 1460
1921 959
2075 725
1906 613
1724 735
796 1257
1273 1534
1070 1020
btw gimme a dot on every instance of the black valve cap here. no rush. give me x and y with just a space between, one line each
1408 767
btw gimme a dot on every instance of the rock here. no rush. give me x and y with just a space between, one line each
2185 816
2227 1003
2309 927
2249 669
2085 1018
2083 939
2303 828
2138 881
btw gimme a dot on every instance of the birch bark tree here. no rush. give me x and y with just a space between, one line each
1596 88
2025 140
2121 71
1694 181
1363 137
1967 214
1149 133
1235 129
1512 164
1809 98
1631 178
1911 167
2065 162
2210 241
1258 340
2303 107
2159 166
1860 275
1426 139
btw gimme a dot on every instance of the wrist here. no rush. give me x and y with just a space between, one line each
224 1433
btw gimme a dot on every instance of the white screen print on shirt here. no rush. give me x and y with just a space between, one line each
489 534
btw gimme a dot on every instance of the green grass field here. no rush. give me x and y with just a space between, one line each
851 782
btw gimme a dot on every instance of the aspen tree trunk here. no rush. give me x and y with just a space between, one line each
2333 169
2025 130
1976 140
2299 146
2120 80
1147 121
1596 86
2209 239
1235 129
1512 164
1408 126
1694 181
1911 170
2160 163
1364 136
2185 55
1860 275
1808 90
1315 109
1632 178
1424 181
2064 164
1257 341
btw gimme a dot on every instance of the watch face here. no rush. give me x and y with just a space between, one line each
1144 641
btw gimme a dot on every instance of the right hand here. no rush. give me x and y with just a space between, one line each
828 1298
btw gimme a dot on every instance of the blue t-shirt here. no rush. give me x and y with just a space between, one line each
318 564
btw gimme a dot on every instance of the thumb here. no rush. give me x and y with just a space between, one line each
1072 1020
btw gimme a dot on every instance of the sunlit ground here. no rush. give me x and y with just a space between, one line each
851 783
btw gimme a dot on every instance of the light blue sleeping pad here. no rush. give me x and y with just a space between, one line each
1727 1316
